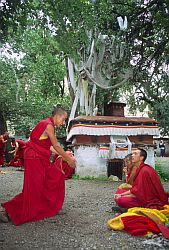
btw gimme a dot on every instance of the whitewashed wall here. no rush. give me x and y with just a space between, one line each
90 164
150 156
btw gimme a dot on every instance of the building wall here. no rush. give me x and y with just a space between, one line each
150 156
89 163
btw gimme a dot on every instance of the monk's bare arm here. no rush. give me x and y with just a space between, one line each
16 149
53 150
51 134
3 141
127 193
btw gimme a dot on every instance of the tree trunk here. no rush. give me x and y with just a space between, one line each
3 125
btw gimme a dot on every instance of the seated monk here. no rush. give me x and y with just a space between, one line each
66 169
147 190
129 171
44 184
18 150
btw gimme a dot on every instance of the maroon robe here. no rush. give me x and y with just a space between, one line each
18 160
2 152
147 189
44 185
63 166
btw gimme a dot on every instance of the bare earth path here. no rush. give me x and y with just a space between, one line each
80 225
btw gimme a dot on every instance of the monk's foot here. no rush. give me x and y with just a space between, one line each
119 209
123 209
116 209
4 217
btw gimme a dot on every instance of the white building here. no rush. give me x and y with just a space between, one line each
101 142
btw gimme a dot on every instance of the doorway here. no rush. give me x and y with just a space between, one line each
115 167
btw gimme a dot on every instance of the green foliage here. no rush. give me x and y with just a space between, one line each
49 31
163 175
40 74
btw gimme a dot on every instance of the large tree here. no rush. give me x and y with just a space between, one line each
76 23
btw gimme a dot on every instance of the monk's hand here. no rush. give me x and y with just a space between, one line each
117 196
72 162
125 170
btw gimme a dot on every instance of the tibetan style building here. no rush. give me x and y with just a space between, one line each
100 143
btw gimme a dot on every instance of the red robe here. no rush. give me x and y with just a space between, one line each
63 166
18 160
2 152
147 189
44 185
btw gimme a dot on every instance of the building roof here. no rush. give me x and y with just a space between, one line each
112 125
114 119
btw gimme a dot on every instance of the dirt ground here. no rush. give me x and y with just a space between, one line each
80 225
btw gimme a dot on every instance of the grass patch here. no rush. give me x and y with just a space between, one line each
91 178
163 175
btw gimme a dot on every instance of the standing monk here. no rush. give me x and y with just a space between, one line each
44 186
147 190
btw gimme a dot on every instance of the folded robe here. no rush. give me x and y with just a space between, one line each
141 221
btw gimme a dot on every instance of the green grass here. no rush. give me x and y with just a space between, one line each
91 178
163 175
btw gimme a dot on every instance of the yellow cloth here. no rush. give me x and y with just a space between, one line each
165 210
1 172
125 186
43 137
150 212
154 214
116 223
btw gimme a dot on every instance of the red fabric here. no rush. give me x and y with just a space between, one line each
148 189
21 148
18 160
121 190
139 225
1 157
63 166
128 202
2 149
44 186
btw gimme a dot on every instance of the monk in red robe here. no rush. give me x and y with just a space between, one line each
44 184
147 190
67 170
19 148
2 150
130 172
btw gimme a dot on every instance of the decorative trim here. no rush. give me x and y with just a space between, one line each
100 130
119 153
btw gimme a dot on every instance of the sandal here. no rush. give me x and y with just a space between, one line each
4 217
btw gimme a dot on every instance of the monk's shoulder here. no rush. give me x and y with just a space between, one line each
148 170
45 122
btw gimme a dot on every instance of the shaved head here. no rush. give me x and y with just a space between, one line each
58 110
